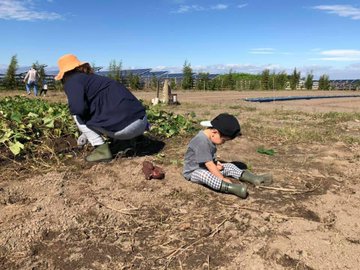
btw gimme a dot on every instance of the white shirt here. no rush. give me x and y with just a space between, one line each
31 75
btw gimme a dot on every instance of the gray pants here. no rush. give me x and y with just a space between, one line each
93 134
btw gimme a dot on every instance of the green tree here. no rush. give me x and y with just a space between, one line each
229 80
236 81
10 76
94 67
272 81
295 79
357 85
309 81
280 80
215 84
188 81
324 82
134 81
255 84
154 82
265 79
203 81
173 85
115 70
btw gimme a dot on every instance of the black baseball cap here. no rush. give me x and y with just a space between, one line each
226 124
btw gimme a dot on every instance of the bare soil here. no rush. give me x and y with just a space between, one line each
107 216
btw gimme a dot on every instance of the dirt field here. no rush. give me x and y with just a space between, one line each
107 216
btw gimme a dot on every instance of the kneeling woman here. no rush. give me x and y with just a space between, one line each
100 105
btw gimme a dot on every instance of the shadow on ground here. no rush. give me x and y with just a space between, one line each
140 146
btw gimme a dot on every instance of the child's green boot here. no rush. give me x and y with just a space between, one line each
100 153
257 180
236 189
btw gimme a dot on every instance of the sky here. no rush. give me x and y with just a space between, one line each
215 36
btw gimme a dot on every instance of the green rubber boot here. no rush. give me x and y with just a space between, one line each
257 180
100 153
236 189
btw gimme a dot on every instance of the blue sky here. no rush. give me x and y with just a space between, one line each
214 36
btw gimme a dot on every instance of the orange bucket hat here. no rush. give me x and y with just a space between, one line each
66 63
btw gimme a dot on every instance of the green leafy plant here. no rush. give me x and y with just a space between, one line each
25 124
167 124
30 126
262 150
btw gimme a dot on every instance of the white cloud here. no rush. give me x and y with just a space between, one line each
189 8
21 10
242 5
221 68
340 55
341 10
219 7
193 8
262 51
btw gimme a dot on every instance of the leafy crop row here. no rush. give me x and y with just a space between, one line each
26 125
168 124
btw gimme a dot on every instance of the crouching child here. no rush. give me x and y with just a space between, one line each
201 166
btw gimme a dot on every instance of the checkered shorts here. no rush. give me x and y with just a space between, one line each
203 176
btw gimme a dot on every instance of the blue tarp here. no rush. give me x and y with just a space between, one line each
270 99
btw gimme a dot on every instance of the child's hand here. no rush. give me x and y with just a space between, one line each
219 166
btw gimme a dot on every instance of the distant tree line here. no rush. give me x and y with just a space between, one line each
266 80
245 81
13 80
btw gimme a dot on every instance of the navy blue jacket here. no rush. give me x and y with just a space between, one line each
102 102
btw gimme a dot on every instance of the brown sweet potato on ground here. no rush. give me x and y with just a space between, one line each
147 169
152 172
158 173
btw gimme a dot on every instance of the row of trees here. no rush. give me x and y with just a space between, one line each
233 81
12 80
241 81
131 80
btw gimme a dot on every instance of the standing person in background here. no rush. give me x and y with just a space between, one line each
100 106
31 80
